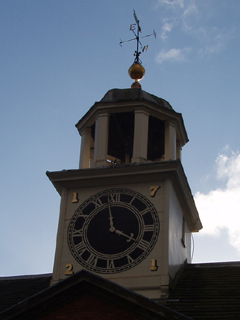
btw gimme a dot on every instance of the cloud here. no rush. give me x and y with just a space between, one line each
173 54
186 7
194 23
180 9
190 8
172 3
220 208
166 28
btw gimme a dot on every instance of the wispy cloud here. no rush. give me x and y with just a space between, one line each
182 8
219 209
173 54
187 20
166 28
186 5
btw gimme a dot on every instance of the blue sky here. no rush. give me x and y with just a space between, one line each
58 57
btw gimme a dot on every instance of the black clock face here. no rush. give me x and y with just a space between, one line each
113 231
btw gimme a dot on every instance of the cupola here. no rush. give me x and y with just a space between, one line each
130 126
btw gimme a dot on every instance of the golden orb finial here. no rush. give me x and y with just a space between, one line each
136 72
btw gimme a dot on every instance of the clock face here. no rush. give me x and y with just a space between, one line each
113 231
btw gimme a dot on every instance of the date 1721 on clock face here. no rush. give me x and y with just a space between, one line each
113 231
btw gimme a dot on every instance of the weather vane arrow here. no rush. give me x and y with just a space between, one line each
136 29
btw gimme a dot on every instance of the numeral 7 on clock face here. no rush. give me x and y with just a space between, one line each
153 190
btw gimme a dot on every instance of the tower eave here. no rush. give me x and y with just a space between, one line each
172 170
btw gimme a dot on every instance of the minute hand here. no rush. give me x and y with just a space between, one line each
120 233
112 228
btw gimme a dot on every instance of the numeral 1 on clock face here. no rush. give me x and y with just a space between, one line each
75 197
154 266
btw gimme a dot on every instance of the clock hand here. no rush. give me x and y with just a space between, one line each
120 233
112 228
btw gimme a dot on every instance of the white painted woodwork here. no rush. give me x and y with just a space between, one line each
170 141
85 154
140 142
101 140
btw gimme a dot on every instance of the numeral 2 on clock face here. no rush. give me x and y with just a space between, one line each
69 269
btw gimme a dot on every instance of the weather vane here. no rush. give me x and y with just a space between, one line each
136 71
136 29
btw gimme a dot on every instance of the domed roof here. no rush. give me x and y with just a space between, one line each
136 94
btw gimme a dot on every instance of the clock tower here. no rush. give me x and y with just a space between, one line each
127 213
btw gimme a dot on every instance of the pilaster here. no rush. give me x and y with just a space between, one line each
140 143
101 140
85 154
170 141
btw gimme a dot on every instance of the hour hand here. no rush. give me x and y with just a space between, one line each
120 233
